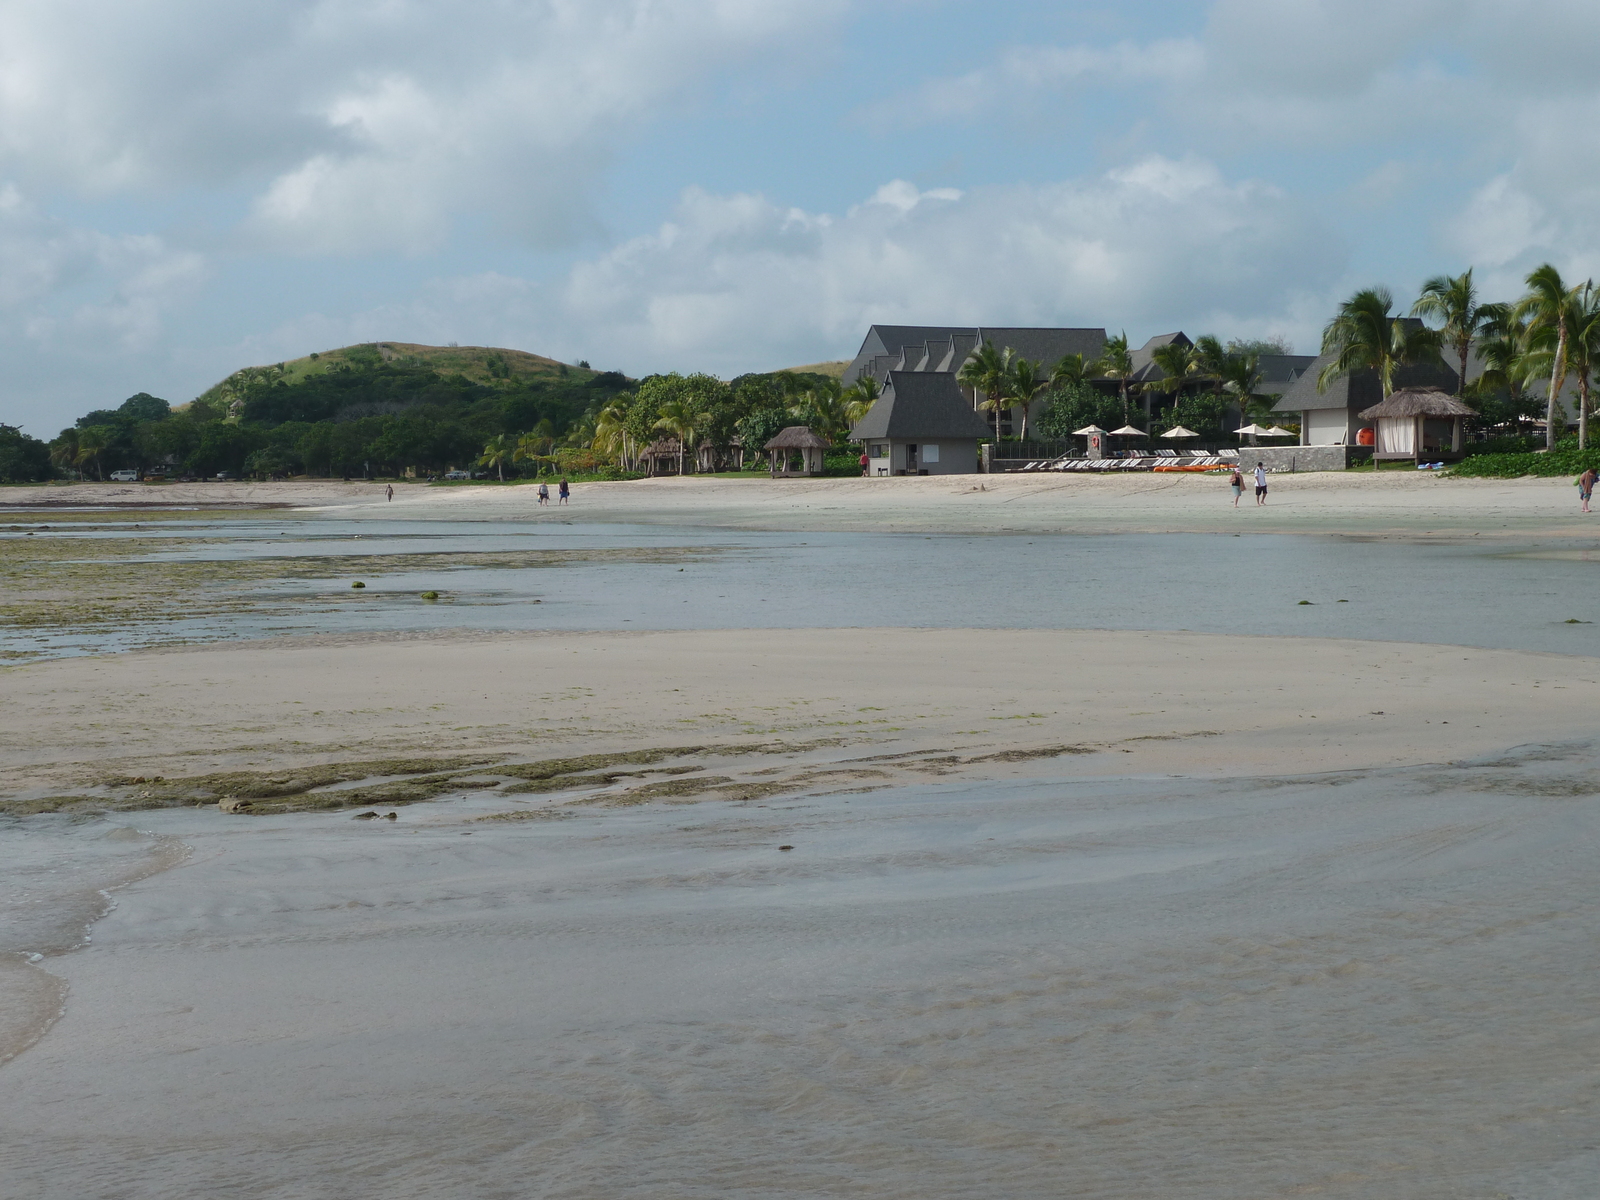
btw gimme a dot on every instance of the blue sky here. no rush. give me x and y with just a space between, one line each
729 185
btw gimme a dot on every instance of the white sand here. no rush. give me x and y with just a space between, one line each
1163 702
1393 503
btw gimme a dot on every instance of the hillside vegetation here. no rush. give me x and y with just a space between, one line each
383 406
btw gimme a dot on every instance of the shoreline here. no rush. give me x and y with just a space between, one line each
1399 505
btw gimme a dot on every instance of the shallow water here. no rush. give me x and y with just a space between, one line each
1528 597
1370 984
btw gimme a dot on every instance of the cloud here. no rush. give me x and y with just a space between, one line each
59 280
737 282
358 126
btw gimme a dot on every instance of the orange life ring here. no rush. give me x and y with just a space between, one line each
1365 437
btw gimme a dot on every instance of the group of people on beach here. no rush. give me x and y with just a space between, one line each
563 492
1236 482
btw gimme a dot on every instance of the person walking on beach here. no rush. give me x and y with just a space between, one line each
390 492
1236 482
1586 486
1261 484
865 462
544 494
563 491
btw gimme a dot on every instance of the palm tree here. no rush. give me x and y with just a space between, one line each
823 410
1583 351
64 450
1582 320
1241 377
611 432
1364 335
1178 363
1115 363
1547 307
678 418
1068 372
1504 351
536 446
1454 301
92 441
988 370
859 398
1026 384
496 452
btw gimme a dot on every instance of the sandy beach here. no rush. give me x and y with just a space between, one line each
1393 503
820 911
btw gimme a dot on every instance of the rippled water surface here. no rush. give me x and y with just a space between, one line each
1531 597
1371 984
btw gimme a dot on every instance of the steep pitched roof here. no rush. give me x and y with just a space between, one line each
912 343
1046 347
920 406
1144 365
1358 389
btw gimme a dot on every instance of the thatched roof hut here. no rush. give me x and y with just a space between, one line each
1415 421
659 453
796 438
1418 402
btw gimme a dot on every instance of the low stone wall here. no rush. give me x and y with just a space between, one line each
1303 458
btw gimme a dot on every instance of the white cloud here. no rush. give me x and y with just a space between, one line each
364 125
58 279
735 283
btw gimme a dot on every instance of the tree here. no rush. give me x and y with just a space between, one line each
498 451
1115 362
92 442
1068 371
987 371
23 459
1241 377
537 446
859 398
611 434
1504 351
1364 335
677 418
1582 348
1026 383
64 450
1547 307
1453 300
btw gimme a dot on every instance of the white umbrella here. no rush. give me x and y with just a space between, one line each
1280 431
1253 428
1178 431
1087 429
1128 431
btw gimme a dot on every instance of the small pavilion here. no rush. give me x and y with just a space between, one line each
1416 421
661 457
781 452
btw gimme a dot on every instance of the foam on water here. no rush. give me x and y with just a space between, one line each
1369 984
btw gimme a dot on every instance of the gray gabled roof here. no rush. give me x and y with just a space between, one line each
921 406
886 347
1144 365
1358 389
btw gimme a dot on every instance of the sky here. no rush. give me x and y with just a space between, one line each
731 185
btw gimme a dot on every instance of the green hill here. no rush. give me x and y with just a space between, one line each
489 365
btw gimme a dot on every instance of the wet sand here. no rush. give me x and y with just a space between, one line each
1101 914
1393 503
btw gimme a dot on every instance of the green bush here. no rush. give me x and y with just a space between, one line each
1565 459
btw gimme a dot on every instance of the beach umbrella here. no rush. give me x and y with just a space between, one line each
1128 431
1253 429
1279 431
1178 431
1087 429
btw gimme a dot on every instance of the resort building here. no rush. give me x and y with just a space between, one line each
921 424
1333 417
942 349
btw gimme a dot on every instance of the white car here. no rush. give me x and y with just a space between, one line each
124 477
457 475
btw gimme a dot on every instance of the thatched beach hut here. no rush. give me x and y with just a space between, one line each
1416 421
781 451
661 457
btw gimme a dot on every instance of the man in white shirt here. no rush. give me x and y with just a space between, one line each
1261 484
